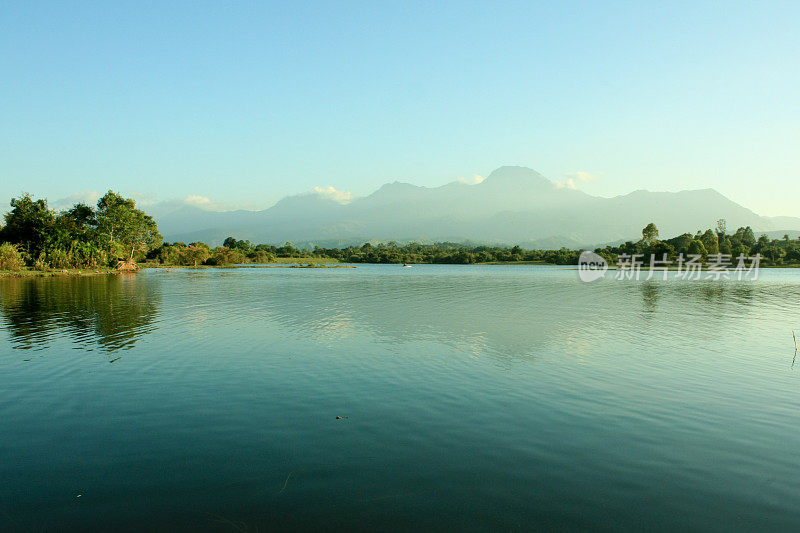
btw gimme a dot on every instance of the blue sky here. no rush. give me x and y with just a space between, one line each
243 103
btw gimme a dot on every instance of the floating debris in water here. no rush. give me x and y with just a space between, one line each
286 482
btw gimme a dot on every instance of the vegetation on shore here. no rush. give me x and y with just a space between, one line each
774 252
29 273
306 263
115 235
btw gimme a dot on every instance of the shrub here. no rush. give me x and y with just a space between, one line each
225 256
10 258
56 258
260 256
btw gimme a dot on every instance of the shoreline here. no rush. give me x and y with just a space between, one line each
29 273
297 264
7 274
55 273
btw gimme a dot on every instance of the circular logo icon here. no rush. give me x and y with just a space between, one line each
591 266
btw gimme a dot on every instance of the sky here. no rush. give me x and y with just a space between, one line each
238 104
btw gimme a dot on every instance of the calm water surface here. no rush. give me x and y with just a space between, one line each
498 397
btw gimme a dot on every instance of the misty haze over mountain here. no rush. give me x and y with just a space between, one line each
513 205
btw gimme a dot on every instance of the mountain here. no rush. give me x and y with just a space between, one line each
513 205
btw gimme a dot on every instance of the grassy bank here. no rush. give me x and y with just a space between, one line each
30 273
305 260
313 263
512 263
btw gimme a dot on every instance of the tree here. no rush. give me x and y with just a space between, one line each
761 244
740 249
748 238
225 256
10 258
288 250
261 257
195 254
28 224
125 229
743 236
82 216
725 245
658 249
74 240
722 228
650 233
710 242
793 253
681 242
696 248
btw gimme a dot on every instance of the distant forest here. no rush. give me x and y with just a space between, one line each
115 234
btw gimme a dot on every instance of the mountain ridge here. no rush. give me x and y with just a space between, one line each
512 205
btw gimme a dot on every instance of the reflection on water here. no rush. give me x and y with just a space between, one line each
510 315
483 398
111 312
500 313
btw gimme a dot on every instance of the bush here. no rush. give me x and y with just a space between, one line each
56 258
261 257
225 256
10 258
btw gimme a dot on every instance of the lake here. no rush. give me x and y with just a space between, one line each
471 397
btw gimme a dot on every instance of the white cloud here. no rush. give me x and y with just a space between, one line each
149 200
203 202
474 180
342 197
143 198
571 180
583 176
197 201
207 204
566 183
84 197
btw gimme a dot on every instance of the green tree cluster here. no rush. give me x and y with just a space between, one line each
232 252
114 231
10 258
80 237
446 253
709 242
704 243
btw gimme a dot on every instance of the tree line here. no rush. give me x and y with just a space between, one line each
115 233
235 251
774 252
703 243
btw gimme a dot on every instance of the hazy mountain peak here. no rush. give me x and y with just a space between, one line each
513 205
517 176
397 189
398 185
306 200
331 193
